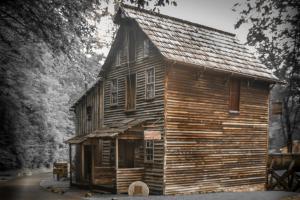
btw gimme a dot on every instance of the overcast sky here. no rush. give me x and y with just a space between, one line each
214 13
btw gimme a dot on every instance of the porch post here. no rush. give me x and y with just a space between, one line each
117 153
70 158
82 162
117 162
93 161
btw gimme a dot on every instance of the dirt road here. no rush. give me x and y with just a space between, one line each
28 188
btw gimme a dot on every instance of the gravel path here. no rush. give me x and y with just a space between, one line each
28 188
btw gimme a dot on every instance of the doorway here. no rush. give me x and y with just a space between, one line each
87 164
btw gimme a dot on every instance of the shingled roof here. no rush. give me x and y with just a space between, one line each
194 44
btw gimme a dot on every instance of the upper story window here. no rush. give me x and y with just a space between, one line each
149 150
150 83
114 92
89 113
146 48
234 95
130 92
118 59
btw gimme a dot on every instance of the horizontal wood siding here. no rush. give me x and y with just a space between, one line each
104 176
127 176
93 98
152 110
207 148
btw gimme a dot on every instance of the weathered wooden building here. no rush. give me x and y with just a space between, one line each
180 106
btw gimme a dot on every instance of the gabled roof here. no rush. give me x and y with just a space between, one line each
194 44
85 92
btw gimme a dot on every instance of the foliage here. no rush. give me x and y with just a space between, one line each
59 23
49 50
275 32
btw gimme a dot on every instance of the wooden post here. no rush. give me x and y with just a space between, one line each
117 162
82 162
93 162
117 153
70 158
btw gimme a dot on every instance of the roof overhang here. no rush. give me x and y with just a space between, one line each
108 132
240 74
76 140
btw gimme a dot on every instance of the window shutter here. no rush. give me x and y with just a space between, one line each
234 101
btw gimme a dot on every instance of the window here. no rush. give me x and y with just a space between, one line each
89 113
146 48
114 92
118 59
130 92
150 83
149 150
131 45
234 95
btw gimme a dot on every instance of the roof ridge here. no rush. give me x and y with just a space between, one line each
176 19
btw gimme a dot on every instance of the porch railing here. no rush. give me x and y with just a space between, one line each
104 176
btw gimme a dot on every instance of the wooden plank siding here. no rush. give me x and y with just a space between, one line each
152 110
94 99
126 176
208 149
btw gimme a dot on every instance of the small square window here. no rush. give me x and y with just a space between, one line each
89 113
146 48
114 92
118 59
149 151
150 83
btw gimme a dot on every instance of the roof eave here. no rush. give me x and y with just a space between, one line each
270 80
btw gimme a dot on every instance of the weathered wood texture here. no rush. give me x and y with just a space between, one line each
94 99
126 176
152 110
186 42
207 148
283 160
104 176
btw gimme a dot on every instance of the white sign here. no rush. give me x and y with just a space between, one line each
152 135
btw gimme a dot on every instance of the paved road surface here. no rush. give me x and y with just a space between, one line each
28 188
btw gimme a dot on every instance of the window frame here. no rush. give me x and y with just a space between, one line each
146 83
118 59
126 92
116 92
89 114
144 47
234 96
151 148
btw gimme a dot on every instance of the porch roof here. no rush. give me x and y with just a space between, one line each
110 131
113 130
76 140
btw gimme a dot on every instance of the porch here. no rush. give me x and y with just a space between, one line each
109 158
